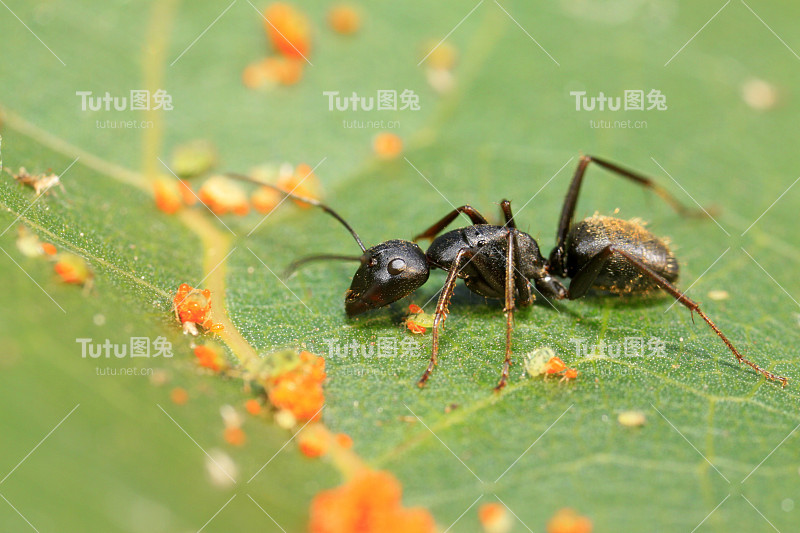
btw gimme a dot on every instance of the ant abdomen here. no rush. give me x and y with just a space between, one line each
589 237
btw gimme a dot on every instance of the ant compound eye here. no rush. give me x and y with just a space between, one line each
396 266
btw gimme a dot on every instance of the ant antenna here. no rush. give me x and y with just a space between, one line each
303 199
295 265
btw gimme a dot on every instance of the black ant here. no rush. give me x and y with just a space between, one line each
605 253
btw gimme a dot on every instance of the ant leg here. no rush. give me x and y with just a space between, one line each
441 309
522 284
526 296
505 205
468 210
585 278
509 307
557 265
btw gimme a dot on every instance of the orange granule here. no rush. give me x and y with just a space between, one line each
187 195
72 269
179 396
368 503
235 436
344 440
288 29
387 145
48 248
313 443
344 19
167 195
253 406
209 357
494 518
568 521
299 390
301 182
271 71
264 199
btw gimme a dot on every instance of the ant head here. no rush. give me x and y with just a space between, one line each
388 272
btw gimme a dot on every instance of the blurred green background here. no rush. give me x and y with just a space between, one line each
508 129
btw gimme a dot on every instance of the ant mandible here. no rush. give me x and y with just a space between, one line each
601 252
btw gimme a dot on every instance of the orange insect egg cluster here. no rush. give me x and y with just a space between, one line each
264 199
222 195
171 194
288 29
371 502
301 182
193 307
299 390
568 521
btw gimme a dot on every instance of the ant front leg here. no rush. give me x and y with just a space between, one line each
521 282
468 210
441 309
509 307
557 265
584 279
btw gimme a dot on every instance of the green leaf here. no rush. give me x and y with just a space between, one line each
715 431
